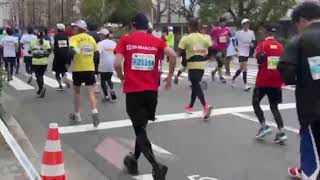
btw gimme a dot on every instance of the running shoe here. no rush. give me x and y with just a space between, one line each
43 93
280 137
29 79
74 118
247 87
131 164
228 74
207 110
176 80
233 83
189 109
38 92
263 131
295 172
223 80
106 98
160 173
68 85
95 118
60 88
113 95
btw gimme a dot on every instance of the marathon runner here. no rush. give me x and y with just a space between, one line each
61 55
170 37
268 83
106 66
299 65
40 50
10 45
196 47
83 48
231 53
245 38
220 36
25 41
138 55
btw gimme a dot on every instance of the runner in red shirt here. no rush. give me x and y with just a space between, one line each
138 56
220 36
269 83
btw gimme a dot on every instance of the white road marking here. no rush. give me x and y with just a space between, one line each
18 152
253 119
20 85
165 118
144 177
155 147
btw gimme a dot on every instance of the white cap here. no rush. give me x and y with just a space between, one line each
104 31
170 28
80 24
245 20
61 27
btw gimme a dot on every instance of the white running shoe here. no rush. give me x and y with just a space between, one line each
247 87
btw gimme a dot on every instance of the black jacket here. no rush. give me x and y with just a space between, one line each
300 65
61 52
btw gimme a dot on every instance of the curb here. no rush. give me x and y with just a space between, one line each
19 134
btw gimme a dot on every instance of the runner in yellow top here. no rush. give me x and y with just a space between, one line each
170 37
196 46
40 50
83 48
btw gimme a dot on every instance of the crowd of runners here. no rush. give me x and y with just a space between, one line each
136 60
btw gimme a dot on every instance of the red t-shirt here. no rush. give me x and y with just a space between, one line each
142 54
220 37
268 75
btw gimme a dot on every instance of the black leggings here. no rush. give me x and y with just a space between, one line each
59 75
39 70
106 78
275 97
195 77
141 107
10 63
28 63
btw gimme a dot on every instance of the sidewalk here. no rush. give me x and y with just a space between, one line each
9 166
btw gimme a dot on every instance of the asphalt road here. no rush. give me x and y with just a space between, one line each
223 148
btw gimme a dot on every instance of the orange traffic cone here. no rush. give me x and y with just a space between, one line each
52 161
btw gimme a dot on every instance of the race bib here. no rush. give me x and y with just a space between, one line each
199 49
314 63
223 39
273 62
62 43
87 50
143 62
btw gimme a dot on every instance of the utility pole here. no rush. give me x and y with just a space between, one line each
49 12
62 12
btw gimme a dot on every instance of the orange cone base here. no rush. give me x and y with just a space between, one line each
54 178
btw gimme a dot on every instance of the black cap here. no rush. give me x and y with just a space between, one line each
270 27
140 22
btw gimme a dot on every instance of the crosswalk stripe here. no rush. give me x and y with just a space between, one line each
20 85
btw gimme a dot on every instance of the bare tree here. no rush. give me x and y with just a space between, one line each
160 7
187 9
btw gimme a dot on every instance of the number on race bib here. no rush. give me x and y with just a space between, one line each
223 39
273 62
143 62
314 63
62 43
87 50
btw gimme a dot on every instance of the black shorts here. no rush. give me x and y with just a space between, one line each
86 77
243 59
274 94
141 106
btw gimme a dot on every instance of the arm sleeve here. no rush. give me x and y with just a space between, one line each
288 62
